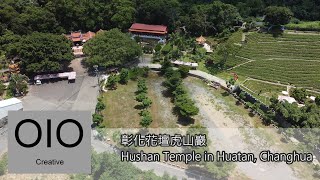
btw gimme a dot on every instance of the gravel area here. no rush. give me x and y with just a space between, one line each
229 131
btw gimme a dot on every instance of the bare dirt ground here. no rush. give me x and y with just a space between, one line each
233 132
162 107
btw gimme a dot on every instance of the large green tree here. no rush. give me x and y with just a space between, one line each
122 13
213 18
300 94
275 15
35 19
111 48
42 53
164 12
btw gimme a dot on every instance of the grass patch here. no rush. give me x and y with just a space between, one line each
120 109
262 91
304 26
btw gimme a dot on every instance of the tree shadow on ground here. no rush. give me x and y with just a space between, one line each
143 131
276 31
84 64
185 121
238 103
138 107
225 94
251 114
200 171
166 94
132 63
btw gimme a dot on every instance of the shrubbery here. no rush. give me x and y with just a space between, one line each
97 117
185 106
124 76
145 103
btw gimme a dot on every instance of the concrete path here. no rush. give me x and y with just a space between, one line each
196 73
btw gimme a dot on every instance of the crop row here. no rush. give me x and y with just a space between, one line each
284 37
303 74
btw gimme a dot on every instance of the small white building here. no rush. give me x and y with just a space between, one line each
12 104
312 98
190 64
287 98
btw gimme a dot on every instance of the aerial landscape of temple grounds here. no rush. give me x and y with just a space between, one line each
226 89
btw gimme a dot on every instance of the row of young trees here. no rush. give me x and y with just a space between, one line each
145 103
125 75
185 106
97 117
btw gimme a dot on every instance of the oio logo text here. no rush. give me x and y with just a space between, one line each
49 142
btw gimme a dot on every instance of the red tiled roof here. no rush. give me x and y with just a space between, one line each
157 29
76 39
78 36
88 35
75 34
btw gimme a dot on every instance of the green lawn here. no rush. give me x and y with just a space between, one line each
120 109
262 91
304 25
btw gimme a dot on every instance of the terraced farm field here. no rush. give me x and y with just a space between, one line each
288 59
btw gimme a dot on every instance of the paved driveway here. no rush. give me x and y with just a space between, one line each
61 95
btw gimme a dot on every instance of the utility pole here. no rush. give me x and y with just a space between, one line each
97 74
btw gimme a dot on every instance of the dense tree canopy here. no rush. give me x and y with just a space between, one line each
158 11
278 15
35 19
199 17
299 94
302 9
41 52
212 18
111 48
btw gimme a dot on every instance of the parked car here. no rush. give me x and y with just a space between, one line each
38 82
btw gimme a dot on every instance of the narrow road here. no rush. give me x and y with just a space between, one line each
158 168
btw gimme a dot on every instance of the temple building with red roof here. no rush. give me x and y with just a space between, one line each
147 31
79 38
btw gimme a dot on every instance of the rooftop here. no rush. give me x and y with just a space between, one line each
9 102
79 36
286 98
147 28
